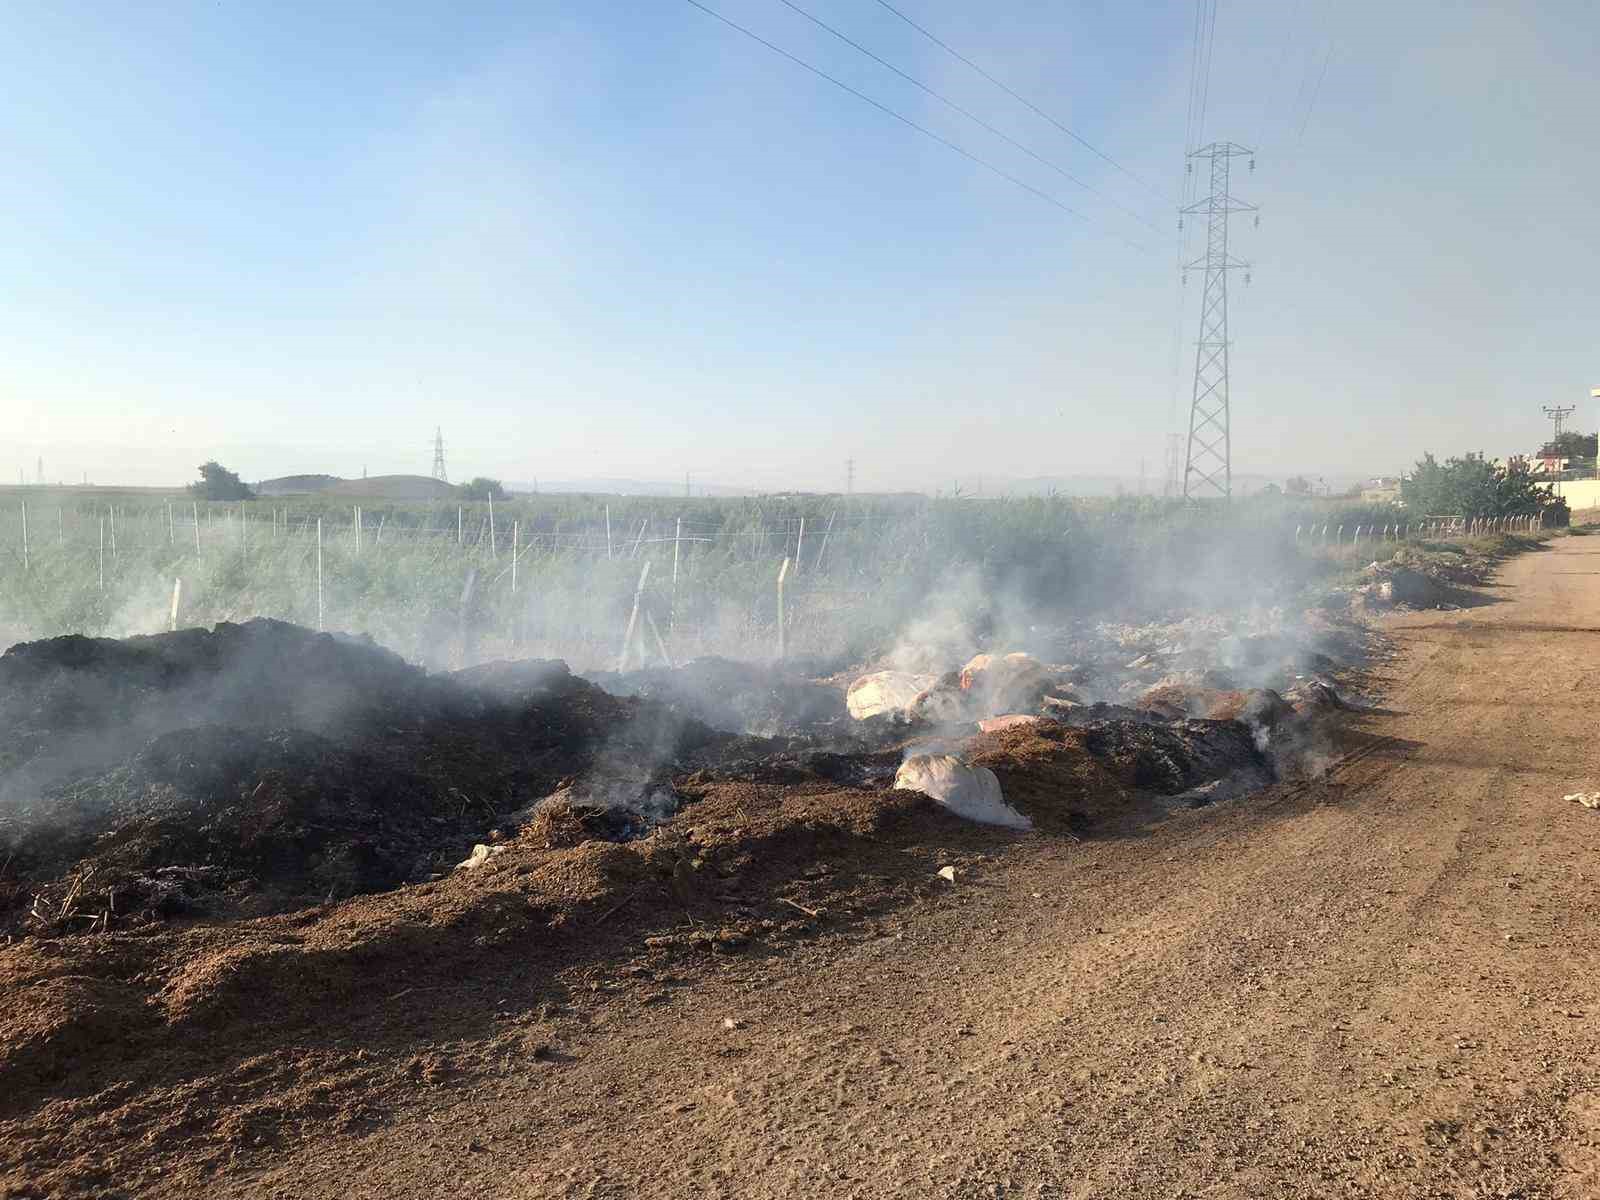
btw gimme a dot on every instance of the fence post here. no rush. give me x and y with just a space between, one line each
492 554
799 545
783 625
826 534
608 533
633 618
196 528
459 519
319 574
113 513
516 541
172 616
672 611
24 535
101 560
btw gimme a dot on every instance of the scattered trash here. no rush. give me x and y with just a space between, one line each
480 855
886 692
1587 799
999 683
1009 721
731 1023
970 792
948 874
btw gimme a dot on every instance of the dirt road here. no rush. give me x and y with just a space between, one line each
1380 984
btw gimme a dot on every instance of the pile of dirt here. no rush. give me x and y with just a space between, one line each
259 767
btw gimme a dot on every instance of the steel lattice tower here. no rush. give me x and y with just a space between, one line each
438 456
1209 467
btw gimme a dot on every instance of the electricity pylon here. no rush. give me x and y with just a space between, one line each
1208 469
438 456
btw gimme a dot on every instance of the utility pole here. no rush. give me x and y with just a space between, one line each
1208 470
1558 415
1594 394
439 472
686 485
849 477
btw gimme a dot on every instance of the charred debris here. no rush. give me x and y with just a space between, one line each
261 767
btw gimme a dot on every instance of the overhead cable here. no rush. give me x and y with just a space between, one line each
904 120
1020 99
971 116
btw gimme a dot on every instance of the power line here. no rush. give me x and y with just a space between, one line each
1272 86
1020 99
971 116
1194 81
884 108
1205 87
1316 90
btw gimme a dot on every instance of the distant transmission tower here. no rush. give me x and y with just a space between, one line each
1208 470
439 472
1173 484
1558 415
39 478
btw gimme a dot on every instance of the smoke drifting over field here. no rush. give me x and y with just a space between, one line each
866 575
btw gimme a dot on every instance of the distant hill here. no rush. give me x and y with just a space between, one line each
378 487
395 487
295 485
608 486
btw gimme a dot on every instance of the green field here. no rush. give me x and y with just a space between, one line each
435 582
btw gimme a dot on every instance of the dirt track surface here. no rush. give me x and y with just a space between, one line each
1379 984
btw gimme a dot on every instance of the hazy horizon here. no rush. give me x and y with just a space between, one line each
594 243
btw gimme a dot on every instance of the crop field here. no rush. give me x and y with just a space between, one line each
449 584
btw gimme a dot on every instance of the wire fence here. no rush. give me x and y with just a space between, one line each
453 586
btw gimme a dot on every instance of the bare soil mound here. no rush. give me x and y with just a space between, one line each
259 767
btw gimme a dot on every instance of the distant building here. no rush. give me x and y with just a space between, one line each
1381 489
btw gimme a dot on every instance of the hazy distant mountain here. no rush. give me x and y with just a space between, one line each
601 485
378 487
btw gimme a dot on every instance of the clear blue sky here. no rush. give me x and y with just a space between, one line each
621 239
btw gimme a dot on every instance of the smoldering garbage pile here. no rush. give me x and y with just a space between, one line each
258 767
1413 578
1202 680
262 767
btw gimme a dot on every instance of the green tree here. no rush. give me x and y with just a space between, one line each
483 488
1471 486
216 482
1571 445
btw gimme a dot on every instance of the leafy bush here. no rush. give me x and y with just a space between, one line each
483 488
218 483
1471 486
